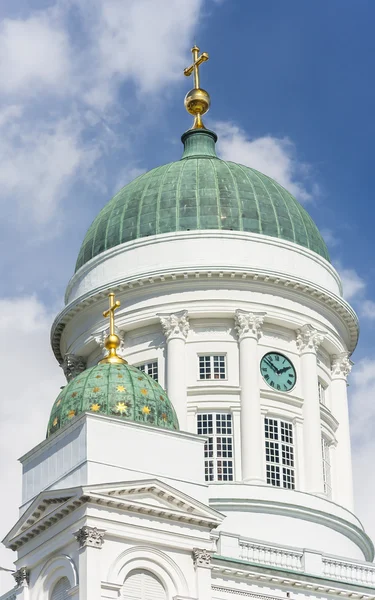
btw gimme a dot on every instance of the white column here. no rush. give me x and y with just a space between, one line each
308 341
343 477
202 564
236 416
248 326
299 453
90 541
176 328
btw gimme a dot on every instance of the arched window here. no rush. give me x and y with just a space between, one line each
60 591
143 585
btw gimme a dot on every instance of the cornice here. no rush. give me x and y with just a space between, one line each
349 530
254 573
272 279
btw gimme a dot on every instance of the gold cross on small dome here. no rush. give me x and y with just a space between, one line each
112 341
197 101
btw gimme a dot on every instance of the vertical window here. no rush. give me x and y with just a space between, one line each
212 366
61 589
218 449
322 393
326 468
150 368
280 468
143 585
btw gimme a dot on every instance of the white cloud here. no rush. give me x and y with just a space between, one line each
368 309
361 394
37 163
30 384
34 53
352 283
330 237
275 157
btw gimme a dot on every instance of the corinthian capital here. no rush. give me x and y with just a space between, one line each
309 338
249 324
341 365
22 577
90 536
175 325
72 366
202 558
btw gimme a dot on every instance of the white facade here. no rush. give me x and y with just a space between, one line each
253 497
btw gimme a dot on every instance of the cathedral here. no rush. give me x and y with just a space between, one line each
200 449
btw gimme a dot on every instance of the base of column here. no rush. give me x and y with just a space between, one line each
254 481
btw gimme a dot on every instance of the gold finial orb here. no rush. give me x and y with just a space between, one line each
112 341
197 101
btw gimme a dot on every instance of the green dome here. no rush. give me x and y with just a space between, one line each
114 390
199 192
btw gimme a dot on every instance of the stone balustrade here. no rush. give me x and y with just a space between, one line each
352 572
300 560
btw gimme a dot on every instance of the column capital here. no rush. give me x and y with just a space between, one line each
72 365
341 365
22 577
309 339
90 536
248 324
202 558
175 325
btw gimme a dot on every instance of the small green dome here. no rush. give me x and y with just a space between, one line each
114 390
199 192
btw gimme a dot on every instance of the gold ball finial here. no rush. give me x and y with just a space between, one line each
112 341
197 101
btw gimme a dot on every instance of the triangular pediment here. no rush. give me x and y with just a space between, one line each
157 498
143 497
47 508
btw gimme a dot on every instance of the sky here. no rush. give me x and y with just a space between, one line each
91 96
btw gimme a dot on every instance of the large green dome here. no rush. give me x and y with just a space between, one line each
199 192
117 390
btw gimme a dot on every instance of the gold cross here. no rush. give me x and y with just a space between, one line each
111 312
194 68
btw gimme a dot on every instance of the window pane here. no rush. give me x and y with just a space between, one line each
218 449
279 451
212 366
204 367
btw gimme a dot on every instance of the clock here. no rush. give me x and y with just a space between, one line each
278 371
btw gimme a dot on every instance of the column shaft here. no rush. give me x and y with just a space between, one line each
252 450
176 378
343 476
311 425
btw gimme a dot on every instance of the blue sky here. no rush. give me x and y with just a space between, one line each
92 95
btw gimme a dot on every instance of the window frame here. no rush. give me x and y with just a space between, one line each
322 393
148 363
218 443
281 472
212 356
327 466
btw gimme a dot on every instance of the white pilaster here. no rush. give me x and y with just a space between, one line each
248 326
176 328
308 341
22 582
299 453
341 366
202 564
90 541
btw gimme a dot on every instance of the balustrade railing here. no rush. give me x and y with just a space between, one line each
270 555
348 571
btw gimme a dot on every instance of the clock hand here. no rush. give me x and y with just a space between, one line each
270 365
284 369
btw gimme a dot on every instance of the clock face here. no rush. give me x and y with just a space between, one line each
278 371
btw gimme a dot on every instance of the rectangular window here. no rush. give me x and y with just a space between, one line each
150 368
326 468
218 449
212 366
280 467
322 393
